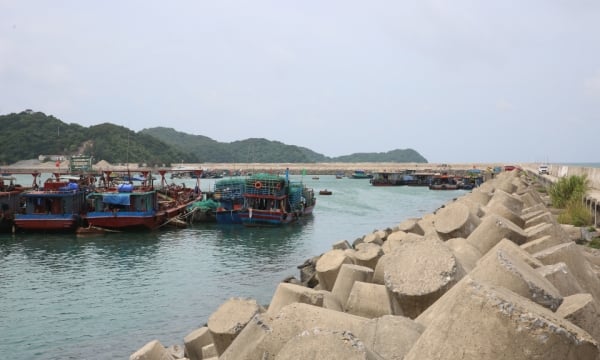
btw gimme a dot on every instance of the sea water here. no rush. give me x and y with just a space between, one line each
105 296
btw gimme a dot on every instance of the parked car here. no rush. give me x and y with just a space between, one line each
543 170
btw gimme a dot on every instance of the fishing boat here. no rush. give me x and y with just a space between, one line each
58 206
229 193
129 207
272 200
361 174
444 182
9 201
325 192
387 178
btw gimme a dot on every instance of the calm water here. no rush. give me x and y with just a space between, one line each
103 297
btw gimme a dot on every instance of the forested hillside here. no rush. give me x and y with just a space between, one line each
28 134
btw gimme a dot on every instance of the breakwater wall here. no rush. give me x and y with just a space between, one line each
491 275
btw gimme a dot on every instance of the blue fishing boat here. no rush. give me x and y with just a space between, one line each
272 200
58 206
361 174
230 195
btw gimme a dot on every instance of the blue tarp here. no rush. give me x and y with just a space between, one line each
116 199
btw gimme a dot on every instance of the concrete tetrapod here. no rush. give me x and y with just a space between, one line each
367 254
455 220
371 301
286 294
583 311
561 277
317 344
345 280
502 267
229 319
417 273
571 254
479 321
195 341
153 350
492 229
329 265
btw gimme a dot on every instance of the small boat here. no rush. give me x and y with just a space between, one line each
58 206
272 200
202 211
325 192
315 178
339 176
361 174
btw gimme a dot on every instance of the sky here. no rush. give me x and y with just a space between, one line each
457 81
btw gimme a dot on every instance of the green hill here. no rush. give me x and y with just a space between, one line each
29 134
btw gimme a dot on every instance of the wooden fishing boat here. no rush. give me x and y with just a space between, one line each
325 192
361 174
129 207
58 206
271 200
444 182
229 193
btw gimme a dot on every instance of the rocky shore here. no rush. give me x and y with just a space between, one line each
491 275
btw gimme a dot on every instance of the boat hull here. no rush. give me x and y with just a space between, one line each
45 222
124 220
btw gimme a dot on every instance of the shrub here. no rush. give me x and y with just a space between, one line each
568 189
595 243
575 214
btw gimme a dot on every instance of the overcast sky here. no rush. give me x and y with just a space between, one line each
457 81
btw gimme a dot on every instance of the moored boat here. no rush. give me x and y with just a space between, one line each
129 207
444 182
9 202
361 174
325 192
58 206
387 178
271 200
229 193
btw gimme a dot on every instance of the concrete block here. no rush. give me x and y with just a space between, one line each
466 254
410 226
541 243
195 341
492 229
329 265
541 230
153 350
481 321
497 208
229 319
374 238
330 302
562 279
345 280
504 267
582 310
317 344
341 245
543 218
507 199
371 301
570 253
516 250
394 336
286 294
419 272
266 335
455 220
368 254
209 351
531 198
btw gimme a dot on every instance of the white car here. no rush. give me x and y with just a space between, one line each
543 170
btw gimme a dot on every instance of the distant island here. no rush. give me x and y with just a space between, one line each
35 135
